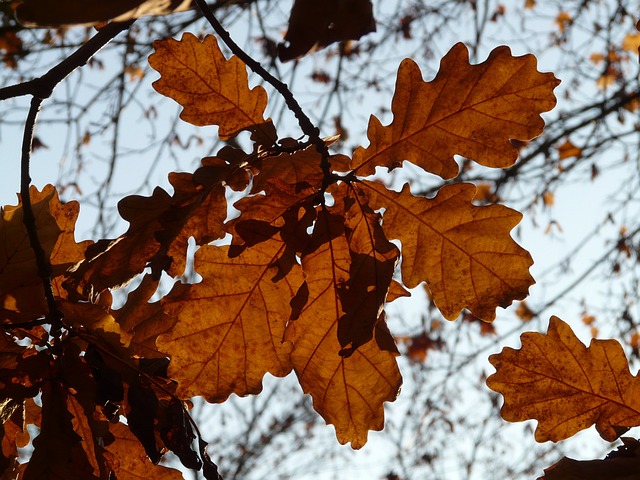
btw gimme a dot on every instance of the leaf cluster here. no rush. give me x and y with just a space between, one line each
301 287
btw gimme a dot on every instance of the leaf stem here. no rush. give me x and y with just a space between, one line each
306 125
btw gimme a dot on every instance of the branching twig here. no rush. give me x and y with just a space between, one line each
309 129
40 89
43 86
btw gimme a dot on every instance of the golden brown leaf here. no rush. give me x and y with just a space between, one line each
302 168
212 89
470 110
143 319
464 252
349 392
313 25
20 286
230 327
128 460
39 13
372 262
160 226
567 387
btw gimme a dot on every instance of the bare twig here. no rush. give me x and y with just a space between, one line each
42 87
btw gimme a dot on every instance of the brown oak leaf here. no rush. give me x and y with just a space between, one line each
314 25
555 379
230 328
349 392
464 252
211 89
470 110
21 294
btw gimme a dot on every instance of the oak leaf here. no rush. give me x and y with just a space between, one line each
314 25
21 296
58 452
464 252
143 319
470 110
620 464
211 89
372 262
555 379
348 391
230 328
128 460
160 226
38 13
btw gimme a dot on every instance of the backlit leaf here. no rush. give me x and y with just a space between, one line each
349 392
464 252
58 453
470 110
230 328
555 379
212 89
160 226
39 13
21 293
128 460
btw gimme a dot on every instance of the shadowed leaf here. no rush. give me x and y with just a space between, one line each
464 252
349 392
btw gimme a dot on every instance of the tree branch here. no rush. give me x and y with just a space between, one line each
40 89
43 86
309 129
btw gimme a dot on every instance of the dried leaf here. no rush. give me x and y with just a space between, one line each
349 392
128 460
314 25
470 110
143 319
230 327
567 387
38 13
58 452
372 262
20 284
464 252
212 89
621 464
160 226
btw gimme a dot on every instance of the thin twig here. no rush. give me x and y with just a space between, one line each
28 217
42 87
307 126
